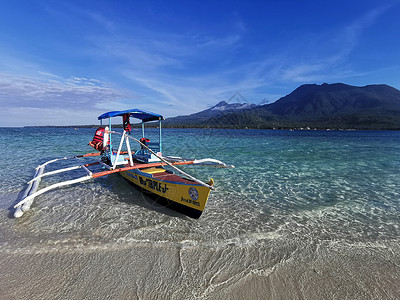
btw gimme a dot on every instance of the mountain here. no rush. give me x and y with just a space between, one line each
313 100
219 110
223 106
318 106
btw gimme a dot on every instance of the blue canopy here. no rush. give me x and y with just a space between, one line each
145 116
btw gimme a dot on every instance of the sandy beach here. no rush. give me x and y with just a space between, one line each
264 269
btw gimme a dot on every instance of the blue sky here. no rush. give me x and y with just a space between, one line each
66 62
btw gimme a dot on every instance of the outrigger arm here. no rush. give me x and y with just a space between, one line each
31 191
29 199
208 162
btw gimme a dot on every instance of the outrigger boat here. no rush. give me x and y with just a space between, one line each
146 167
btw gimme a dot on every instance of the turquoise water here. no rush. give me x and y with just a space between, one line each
290 189
334 185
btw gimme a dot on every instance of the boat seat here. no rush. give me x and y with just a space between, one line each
153 170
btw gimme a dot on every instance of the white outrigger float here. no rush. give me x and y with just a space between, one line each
146 167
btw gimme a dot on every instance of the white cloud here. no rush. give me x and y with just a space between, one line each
51 95
326 57
167 66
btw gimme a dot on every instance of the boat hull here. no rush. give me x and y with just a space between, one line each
182 195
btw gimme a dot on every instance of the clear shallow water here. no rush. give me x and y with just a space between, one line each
291 194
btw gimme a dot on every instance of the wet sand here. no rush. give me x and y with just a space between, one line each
265 269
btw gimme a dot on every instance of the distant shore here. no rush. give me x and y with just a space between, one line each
226 127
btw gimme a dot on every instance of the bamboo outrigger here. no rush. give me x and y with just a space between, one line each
147 168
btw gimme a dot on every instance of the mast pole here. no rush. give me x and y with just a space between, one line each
109 136
159 121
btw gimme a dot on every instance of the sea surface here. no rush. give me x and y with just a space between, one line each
304 215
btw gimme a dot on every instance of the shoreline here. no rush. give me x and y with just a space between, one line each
270 269
136 126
